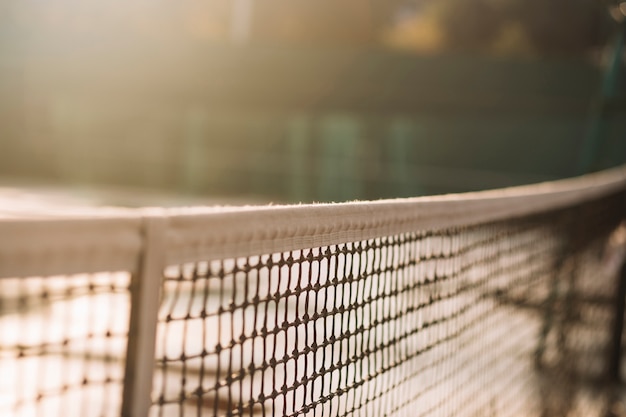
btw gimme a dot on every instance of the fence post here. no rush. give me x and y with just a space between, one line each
615 358
401 179
590 152
194 164
298 135
341 178
145 298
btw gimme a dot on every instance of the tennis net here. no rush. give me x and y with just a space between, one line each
504 303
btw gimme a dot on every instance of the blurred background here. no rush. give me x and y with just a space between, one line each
302 100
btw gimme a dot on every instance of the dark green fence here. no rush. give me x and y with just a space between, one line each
292 124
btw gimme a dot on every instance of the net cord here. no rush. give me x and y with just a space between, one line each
93 242
239 232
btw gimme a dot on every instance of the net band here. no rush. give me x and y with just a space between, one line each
194 233
247 231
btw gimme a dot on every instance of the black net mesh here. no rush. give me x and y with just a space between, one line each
507 318
62 344
511 318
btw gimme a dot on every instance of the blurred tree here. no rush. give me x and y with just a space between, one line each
470 24
419 34
563 26
414 27
320 21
